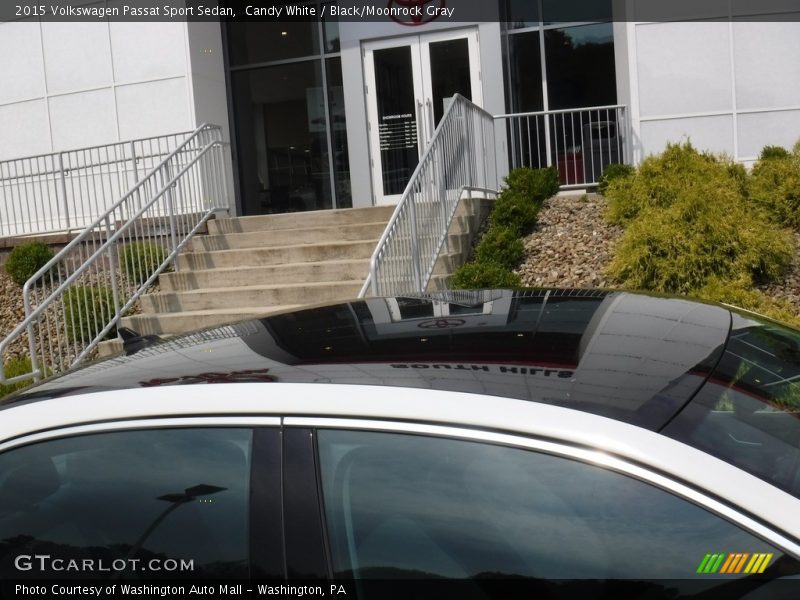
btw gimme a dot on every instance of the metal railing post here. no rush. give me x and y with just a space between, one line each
64 188
171 214
112 264
415 258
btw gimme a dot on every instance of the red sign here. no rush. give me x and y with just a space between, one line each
417 9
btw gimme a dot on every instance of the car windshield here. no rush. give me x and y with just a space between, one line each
748 412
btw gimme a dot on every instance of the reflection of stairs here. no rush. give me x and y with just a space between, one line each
252 266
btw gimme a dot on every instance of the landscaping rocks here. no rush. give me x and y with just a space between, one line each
12 312
570 245
789 287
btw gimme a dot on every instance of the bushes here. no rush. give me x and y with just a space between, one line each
774 186
14 367
25 260
86 311
612 172
502 246
773 152
535 185
513 216
690 229
139 260
662 179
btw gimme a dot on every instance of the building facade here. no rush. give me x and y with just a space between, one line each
333 114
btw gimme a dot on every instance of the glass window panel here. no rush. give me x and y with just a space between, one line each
414 506
159 494
525 60
331 32
261 41
576 11
450 73
341 161
397 117
282 138
521 13
580 66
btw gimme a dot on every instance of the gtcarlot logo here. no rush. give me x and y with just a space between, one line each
46 563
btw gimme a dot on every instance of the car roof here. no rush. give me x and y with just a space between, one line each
633 357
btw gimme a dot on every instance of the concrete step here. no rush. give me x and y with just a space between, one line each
288 237
254 295
256 257
332 270
182 322
301 220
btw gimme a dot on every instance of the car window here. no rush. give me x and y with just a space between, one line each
748 413
400 505
151 503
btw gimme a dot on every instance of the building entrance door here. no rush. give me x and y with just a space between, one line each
409 82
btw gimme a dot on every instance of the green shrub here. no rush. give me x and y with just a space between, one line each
477 275
741 294
612 172
25 260
774 185
14 367
773 152
662 179
707 234
500 245
139 260
536 185
87 310
687 222
515 212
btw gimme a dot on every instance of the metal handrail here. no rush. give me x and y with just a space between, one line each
557 112
460 157
159 215
67 190
578 142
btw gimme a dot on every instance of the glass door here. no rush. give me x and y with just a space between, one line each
409 84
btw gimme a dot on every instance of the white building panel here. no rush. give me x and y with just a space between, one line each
705 133
684 68
18 141
153 108
76 56
780 128
21 69
83 119
767 59
144 50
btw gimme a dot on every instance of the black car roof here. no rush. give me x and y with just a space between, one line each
633 357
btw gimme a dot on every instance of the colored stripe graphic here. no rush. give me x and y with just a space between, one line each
711 563
734 563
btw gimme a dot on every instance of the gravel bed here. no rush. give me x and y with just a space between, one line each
570 245
789 288
12 312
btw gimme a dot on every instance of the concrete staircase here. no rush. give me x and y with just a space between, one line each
253 266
